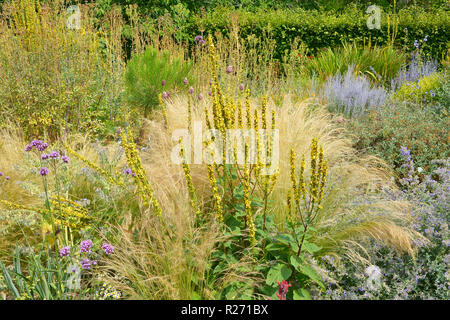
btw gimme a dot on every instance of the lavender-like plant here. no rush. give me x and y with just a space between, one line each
417 69
353 95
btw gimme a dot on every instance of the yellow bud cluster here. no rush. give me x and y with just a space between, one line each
94 167
319 171
190 184
70 213
134 161
215 192
248 207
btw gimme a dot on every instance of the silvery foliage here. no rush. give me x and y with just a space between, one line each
353 95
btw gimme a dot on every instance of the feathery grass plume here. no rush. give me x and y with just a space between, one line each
134 161
159 263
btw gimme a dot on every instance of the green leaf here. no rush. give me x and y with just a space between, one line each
311 247
296 262
312 274
302 294
278 273
9 281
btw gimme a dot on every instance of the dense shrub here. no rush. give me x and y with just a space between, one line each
421 129
322 29
424 88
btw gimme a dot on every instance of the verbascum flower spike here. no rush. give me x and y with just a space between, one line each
215 192
248 207
190 184
134 161
247 109
292 176
94 167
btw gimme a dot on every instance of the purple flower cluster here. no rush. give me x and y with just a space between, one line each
86 246
165 95
86 264
64 252
414 71
38 144
107 248
129 172
199 40
43 171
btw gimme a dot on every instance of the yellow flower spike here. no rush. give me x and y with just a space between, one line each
134 161
292 176
215 192
248 207
94 167
190 184
247 109
240 116
264 112
208 122
289 204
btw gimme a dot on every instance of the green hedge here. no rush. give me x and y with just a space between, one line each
322 29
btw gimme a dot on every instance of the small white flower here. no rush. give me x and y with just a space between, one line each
374 277
419 169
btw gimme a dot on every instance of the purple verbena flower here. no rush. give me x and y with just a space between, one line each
191 90
86 264
54 155
108 248
65 159
44 171
64 252
86 246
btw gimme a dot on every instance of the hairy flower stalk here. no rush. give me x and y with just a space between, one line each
191 189
307 209
94 167
163 108
134 161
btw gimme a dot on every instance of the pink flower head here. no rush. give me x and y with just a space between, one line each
229 69
191 90
283 288
340 120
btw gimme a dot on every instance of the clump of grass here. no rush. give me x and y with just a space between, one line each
380 64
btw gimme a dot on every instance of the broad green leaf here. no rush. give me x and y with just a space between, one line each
278 273
302 294
312 274
311 247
